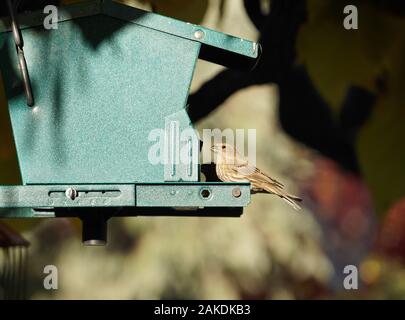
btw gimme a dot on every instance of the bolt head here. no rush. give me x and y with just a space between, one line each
71 193
199 34
236 192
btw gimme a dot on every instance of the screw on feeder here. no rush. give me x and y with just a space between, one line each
236 192
71 193
199 34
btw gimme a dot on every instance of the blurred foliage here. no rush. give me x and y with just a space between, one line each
192 11
391 240
381 279
337 59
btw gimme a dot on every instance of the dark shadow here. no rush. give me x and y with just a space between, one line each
209 172
225 212
303 113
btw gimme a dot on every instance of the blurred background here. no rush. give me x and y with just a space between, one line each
328 107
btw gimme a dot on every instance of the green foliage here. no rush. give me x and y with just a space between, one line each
337 58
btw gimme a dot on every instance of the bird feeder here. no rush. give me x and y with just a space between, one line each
83 100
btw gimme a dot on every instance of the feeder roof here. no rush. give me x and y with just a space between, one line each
216 47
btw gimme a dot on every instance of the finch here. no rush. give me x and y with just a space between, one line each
233 167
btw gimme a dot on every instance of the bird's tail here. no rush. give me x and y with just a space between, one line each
290 199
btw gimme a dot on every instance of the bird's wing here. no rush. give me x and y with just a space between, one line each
257 175
261 182
278 183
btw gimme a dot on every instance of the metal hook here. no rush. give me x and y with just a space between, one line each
19 42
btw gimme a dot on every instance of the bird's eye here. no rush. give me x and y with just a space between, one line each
223 147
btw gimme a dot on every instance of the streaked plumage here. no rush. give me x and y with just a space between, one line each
233 167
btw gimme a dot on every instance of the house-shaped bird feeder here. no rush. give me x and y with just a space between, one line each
84 101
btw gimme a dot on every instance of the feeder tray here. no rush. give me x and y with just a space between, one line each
83 100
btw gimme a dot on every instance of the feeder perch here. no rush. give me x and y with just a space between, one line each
83 100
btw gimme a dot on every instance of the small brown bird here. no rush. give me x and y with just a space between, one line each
233 167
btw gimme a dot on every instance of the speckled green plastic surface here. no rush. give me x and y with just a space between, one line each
228 46
101 85
125 195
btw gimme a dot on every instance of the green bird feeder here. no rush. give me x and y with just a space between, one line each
84 101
